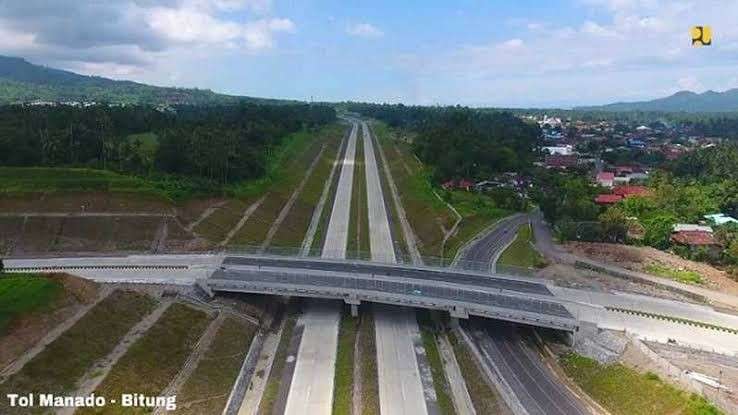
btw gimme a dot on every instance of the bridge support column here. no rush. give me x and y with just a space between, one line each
454 322
459 312
586 329
354 303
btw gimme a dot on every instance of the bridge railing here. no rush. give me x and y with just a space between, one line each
430 261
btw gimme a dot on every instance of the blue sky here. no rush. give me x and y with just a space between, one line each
469 52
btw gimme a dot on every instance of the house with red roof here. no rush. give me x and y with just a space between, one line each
629 191
698 239
607 199
605 179
463 184
560 161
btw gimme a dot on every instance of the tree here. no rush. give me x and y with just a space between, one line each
614 225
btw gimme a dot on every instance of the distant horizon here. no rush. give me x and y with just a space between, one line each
560 54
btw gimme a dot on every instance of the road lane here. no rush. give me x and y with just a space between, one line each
311 390
396 329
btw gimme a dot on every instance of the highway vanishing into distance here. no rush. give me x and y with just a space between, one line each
497 303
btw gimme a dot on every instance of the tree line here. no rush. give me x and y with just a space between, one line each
221 144
458 142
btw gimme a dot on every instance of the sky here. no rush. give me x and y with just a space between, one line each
523 53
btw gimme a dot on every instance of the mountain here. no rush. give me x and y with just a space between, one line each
682 101
22 81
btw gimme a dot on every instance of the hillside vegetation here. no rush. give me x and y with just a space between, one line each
22 81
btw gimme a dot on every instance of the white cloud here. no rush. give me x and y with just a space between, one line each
364 30
511 44
690 83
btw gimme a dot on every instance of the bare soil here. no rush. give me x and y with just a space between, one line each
637 258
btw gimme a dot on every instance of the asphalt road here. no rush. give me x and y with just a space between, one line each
531 381
486 249
451 276
502 346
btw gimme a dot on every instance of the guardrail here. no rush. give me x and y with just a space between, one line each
679 320
93 267
459 301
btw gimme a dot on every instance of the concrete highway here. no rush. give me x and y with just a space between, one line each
311 390
396 329
503 348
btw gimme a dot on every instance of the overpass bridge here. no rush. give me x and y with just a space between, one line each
461 293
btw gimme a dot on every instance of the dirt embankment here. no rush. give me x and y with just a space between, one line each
638 258
27 330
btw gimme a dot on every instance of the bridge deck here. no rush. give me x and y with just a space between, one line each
381 289
400 271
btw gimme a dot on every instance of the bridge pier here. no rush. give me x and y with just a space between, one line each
459 312
586 329
354 303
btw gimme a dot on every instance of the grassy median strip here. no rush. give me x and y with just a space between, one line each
358 235
368 361
484 398
275 375
521 252
25 293
623 391
152 362
207 389
440 382
343 386
65 360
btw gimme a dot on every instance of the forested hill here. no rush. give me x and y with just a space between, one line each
22 81
683 101
462 142
212 145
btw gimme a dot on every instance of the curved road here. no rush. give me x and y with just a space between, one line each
504 347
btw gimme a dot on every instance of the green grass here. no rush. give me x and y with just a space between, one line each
152 362
292 231
343 386
681 275
623 391
440 382
22 294
426 212
522 253
24 180
484 398
207 389
271 390
58 367
368 361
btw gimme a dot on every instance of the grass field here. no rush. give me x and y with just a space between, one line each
440 382
343 386
427 214
484 398
271 390
22 180
22 294
152 362
64 361
278 192
623 391
368 361
358 233
207 389
292 231
521 252
681 275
